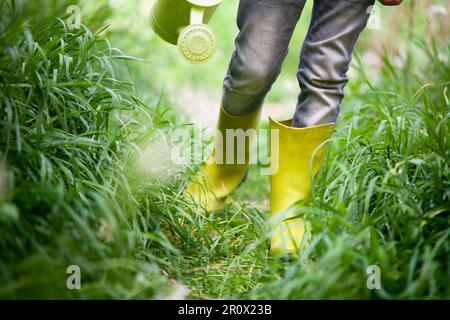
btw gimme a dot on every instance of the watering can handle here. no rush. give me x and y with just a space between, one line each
197 14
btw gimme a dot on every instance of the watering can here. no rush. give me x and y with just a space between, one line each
185 23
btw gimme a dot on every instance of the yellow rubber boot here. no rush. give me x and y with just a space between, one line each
219 177
300 159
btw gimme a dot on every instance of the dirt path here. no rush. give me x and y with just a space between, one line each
202 106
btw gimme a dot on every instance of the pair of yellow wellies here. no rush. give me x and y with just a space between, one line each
300 154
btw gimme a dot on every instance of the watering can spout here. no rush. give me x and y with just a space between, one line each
185 23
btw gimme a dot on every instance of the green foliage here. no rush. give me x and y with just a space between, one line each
70 126
383 198
66 124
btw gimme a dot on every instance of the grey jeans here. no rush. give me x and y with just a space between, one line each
266 28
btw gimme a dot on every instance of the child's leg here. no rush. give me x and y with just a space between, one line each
325 59
266 27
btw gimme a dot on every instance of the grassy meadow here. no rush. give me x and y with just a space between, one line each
78 105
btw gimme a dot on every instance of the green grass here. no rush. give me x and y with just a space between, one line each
66 126
75 112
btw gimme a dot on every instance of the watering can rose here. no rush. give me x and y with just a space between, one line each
185 23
